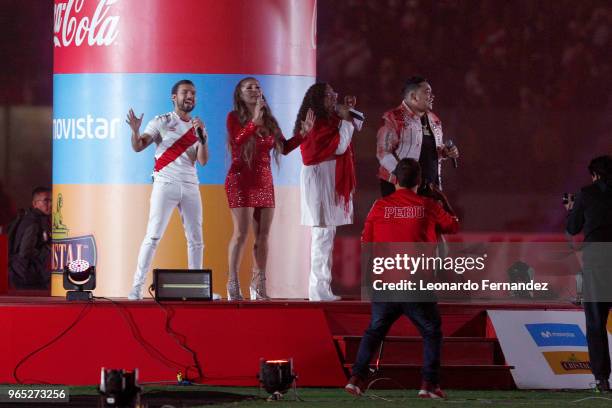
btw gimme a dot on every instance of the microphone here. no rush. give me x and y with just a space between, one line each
449 145
200 135
354 113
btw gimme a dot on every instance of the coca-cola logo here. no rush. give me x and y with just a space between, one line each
71 26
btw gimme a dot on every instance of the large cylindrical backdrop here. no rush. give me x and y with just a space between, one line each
113 55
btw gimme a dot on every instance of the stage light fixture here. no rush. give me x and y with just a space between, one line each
79 280
276 377
119 388
182 284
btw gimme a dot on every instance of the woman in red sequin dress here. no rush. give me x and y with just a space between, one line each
252 133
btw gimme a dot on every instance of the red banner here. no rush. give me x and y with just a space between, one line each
275 37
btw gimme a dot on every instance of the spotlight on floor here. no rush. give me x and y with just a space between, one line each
276 377
79 280
119 388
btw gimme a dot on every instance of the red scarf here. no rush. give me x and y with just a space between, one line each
320 145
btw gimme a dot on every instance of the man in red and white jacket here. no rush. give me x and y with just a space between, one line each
404 216
180 141
412 130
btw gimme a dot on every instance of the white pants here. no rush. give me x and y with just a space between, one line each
164 197
318 196
321 248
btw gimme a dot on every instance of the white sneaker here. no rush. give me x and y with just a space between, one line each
354 386
353 389
216 296
135 293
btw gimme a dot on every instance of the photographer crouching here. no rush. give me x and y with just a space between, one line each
590 211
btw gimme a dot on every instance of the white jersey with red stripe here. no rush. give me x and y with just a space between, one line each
165 130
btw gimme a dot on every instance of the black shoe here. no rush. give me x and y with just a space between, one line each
602 386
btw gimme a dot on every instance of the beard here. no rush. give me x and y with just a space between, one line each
185 107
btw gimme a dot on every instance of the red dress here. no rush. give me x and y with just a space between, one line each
252 186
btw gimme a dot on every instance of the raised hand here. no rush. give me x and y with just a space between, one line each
350 101
134 121
139 142
308 123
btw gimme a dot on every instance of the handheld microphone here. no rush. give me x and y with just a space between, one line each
354 113
200 134
449 145
264 105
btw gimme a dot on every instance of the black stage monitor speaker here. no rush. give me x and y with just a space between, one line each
182 284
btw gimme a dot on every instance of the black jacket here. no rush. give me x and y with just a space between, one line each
30 250
592 213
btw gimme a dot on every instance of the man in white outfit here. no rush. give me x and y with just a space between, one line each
180 140
327 182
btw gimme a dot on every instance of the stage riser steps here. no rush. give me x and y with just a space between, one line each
409 350
465 377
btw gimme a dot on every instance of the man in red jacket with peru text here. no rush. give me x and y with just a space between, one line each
404 216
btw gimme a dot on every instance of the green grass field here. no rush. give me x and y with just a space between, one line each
318 397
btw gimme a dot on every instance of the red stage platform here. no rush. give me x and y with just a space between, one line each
229 338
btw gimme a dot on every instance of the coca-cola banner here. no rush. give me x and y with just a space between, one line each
214 36
113 55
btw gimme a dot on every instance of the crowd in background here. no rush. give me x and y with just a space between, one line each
521 87
519 54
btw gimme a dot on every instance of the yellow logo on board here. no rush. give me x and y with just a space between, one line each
59 230
66 249
568 362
